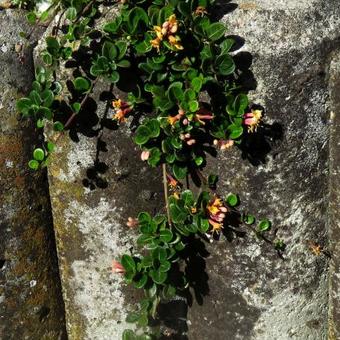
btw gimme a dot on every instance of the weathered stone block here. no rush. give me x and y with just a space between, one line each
31 305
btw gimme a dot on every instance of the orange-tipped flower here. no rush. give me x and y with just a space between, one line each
217 213
252 119
121 109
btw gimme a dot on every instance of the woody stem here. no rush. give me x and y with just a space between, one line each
166 198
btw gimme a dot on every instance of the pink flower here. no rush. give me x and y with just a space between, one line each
132 222
252 119
145 155
117 268
224 144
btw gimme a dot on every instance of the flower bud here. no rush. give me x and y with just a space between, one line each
145 155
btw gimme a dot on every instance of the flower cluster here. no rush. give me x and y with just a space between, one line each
252 119
167 31
217 213
121 109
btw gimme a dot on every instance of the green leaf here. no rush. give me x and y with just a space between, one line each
109 50
159 254
188 197
47 97
215 31
155 156
81 84
31 17
144 218
39 154
35 97
143 134
113 26
33 164
124 64
169 292
47 58
132 317
165 235
179 171
144 239
50 146
76 107
196 84
23 105
129 264
135 16
58 126
235 131
154 127
193 105
249 219
122 48
71 13
52 46
178 215
264 225
225 64
142 281
226 45
232 200
199 161
128 334
165 266
158 277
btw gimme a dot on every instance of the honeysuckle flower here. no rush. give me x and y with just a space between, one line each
252 119
117 268
132 222
217 213
145 155
200 10
121 109
159 32
168 28
175 41
156 43
173 119
191 141
224 144
173 183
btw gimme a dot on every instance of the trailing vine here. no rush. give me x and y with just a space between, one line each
187 90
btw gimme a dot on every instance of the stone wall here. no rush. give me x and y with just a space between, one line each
31 305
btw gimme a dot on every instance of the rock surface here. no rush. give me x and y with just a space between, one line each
250 292
31 305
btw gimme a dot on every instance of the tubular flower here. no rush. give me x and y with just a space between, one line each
173 119
173 183
217 212
224 144
203 114
117 268
252 119
121 109
200 10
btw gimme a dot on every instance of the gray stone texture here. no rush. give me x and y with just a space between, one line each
31 305
250 292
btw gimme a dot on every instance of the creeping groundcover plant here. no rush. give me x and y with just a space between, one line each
188 99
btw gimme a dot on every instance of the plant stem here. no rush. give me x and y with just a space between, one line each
70 120
166 198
